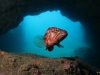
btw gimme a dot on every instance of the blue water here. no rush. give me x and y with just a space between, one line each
21 39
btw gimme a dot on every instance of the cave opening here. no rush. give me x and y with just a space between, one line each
26 38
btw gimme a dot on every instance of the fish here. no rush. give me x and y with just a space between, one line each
53 37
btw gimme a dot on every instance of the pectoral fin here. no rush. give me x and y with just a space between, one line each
59 45
49 48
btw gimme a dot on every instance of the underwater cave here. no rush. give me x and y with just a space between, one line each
20 19
28 36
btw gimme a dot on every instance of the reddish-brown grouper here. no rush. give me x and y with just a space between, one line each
53 37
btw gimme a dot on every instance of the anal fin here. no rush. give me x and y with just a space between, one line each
59 45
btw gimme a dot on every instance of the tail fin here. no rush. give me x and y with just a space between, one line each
39 41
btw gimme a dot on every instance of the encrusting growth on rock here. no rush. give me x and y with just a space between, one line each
16 64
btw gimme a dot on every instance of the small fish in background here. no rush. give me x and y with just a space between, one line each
53 37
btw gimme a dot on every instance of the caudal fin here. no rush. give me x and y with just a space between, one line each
39 41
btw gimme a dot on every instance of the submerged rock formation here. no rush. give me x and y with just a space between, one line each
16 64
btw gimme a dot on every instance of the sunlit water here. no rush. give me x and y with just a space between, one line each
21 39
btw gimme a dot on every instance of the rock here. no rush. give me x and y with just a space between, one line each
2 54
13 64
